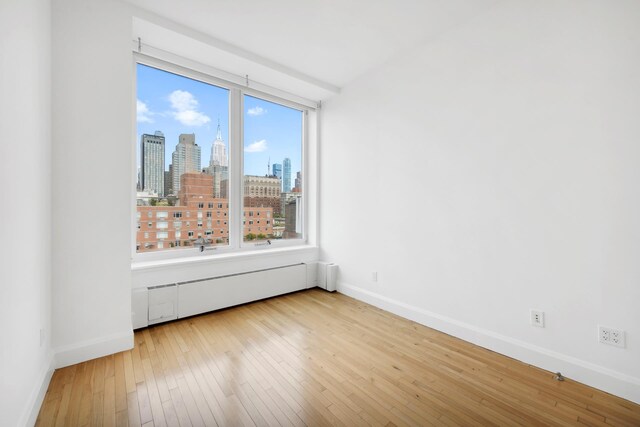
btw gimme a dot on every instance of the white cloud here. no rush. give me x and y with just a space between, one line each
256 147
143 115
185 109
256 111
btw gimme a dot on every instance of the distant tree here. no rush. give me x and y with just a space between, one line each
153 202
162 202
250 236
261 236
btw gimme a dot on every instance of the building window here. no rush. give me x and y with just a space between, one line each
185 153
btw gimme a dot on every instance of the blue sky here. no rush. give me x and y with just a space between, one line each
174 104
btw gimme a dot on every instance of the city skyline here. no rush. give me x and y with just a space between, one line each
175 105
218 160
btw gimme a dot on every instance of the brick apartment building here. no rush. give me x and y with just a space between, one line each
196 214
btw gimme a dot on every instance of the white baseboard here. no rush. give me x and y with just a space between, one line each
91 349
588 373
69 355
32 408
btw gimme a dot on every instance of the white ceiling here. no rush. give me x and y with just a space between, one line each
331 41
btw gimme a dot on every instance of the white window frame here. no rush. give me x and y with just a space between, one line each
236 162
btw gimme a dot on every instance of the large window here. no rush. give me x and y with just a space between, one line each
226 159
183 156
272 171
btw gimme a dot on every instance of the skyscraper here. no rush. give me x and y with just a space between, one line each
286 175
218 151
298 181
186 158
152 163
277 170
219 165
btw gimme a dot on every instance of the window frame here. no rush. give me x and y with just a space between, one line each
235 200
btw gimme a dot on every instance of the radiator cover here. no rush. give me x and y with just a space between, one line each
184 299
213 294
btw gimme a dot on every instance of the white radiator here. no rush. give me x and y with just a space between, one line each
220 292
178 300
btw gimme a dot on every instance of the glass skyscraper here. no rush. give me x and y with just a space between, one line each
286 175
277 170
152 163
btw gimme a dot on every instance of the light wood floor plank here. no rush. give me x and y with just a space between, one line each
314 358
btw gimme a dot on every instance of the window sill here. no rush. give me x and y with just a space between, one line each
140 266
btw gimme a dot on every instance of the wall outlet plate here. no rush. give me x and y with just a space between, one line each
537 318
611 336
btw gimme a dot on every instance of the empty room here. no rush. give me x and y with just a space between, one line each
321 212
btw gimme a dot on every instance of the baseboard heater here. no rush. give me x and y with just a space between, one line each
184 299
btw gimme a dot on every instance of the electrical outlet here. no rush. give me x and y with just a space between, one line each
41 337
374 276
611 336
537 318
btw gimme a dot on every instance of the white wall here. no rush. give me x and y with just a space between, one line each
494 170
92 137
93 145
25 220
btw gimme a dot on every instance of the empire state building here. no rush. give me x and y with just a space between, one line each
219 166
218 151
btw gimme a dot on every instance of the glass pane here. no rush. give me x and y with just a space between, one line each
272 171
183 160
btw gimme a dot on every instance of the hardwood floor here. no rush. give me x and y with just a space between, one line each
314 358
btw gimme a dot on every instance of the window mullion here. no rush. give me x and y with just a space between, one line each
235 173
